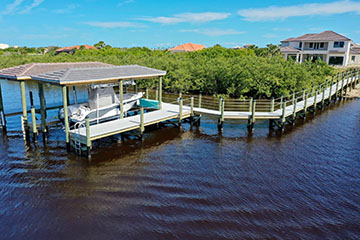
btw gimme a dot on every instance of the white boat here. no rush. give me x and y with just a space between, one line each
103 104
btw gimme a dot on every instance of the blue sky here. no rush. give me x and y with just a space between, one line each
161 24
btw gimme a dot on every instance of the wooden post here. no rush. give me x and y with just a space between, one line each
160 93
347 85
192 106
222 109
200 96
330 91
315 100
66 117
272 104
323 98
147 93
253 111
88 141
180 94
283 115
220 102
294 110
293 98
42 107
2 111
33 118
180 110
24 108
305 104
303 95
142 123
121 98
342 88
281 100
337 87
250 104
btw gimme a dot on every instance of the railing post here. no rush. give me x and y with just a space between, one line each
200 96
88 141
180 110
180 94
293 98
272 105
147 93
342 88
337 87
283 115
281 100
330 91
305 104
220 102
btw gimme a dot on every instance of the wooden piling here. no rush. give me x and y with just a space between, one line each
220 103
337 87
142 127
192 106
200 96
2 111
305 104
66 117
121 97
180 110
222 109
294 109
250 104
160 93
283 114
42 108
315 100
33 118
323 98
330 91
24 108
88 141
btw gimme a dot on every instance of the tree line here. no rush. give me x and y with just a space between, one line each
239 73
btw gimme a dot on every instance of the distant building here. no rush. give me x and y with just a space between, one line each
187 47
71 50
249 45
328 46
4 46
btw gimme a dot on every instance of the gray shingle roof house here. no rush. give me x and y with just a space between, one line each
329 46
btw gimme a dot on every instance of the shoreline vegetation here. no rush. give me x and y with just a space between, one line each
231 73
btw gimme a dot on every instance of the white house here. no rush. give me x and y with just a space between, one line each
328 46
3 46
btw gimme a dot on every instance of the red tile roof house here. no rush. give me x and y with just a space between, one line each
329 46
71 50
187 47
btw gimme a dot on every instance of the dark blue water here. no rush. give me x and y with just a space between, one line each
189 183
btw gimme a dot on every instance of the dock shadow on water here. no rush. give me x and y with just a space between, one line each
190 183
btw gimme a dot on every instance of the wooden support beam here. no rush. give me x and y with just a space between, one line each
250 104
42 107
220 102
24 108
121 98
147 93
142 123
2 111
160 93
200 96
88 141
66 117
180 110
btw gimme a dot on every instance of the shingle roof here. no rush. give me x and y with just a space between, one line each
187 47
75 47
324 36
289 49
26 70
72 76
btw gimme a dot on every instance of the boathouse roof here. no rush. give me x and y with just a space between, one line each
25 71
82 76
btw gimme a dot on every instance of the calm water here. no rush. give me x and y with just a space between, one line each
188 183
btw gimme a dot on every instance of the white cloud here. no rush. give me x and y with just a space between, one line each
214 32
12 7
189 18
312 9
115 24
31 6
125 2
68 9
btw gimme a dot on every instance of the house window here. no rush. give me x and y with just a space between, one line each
336 60
311 45
338 44
322 45
300 44
353 58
